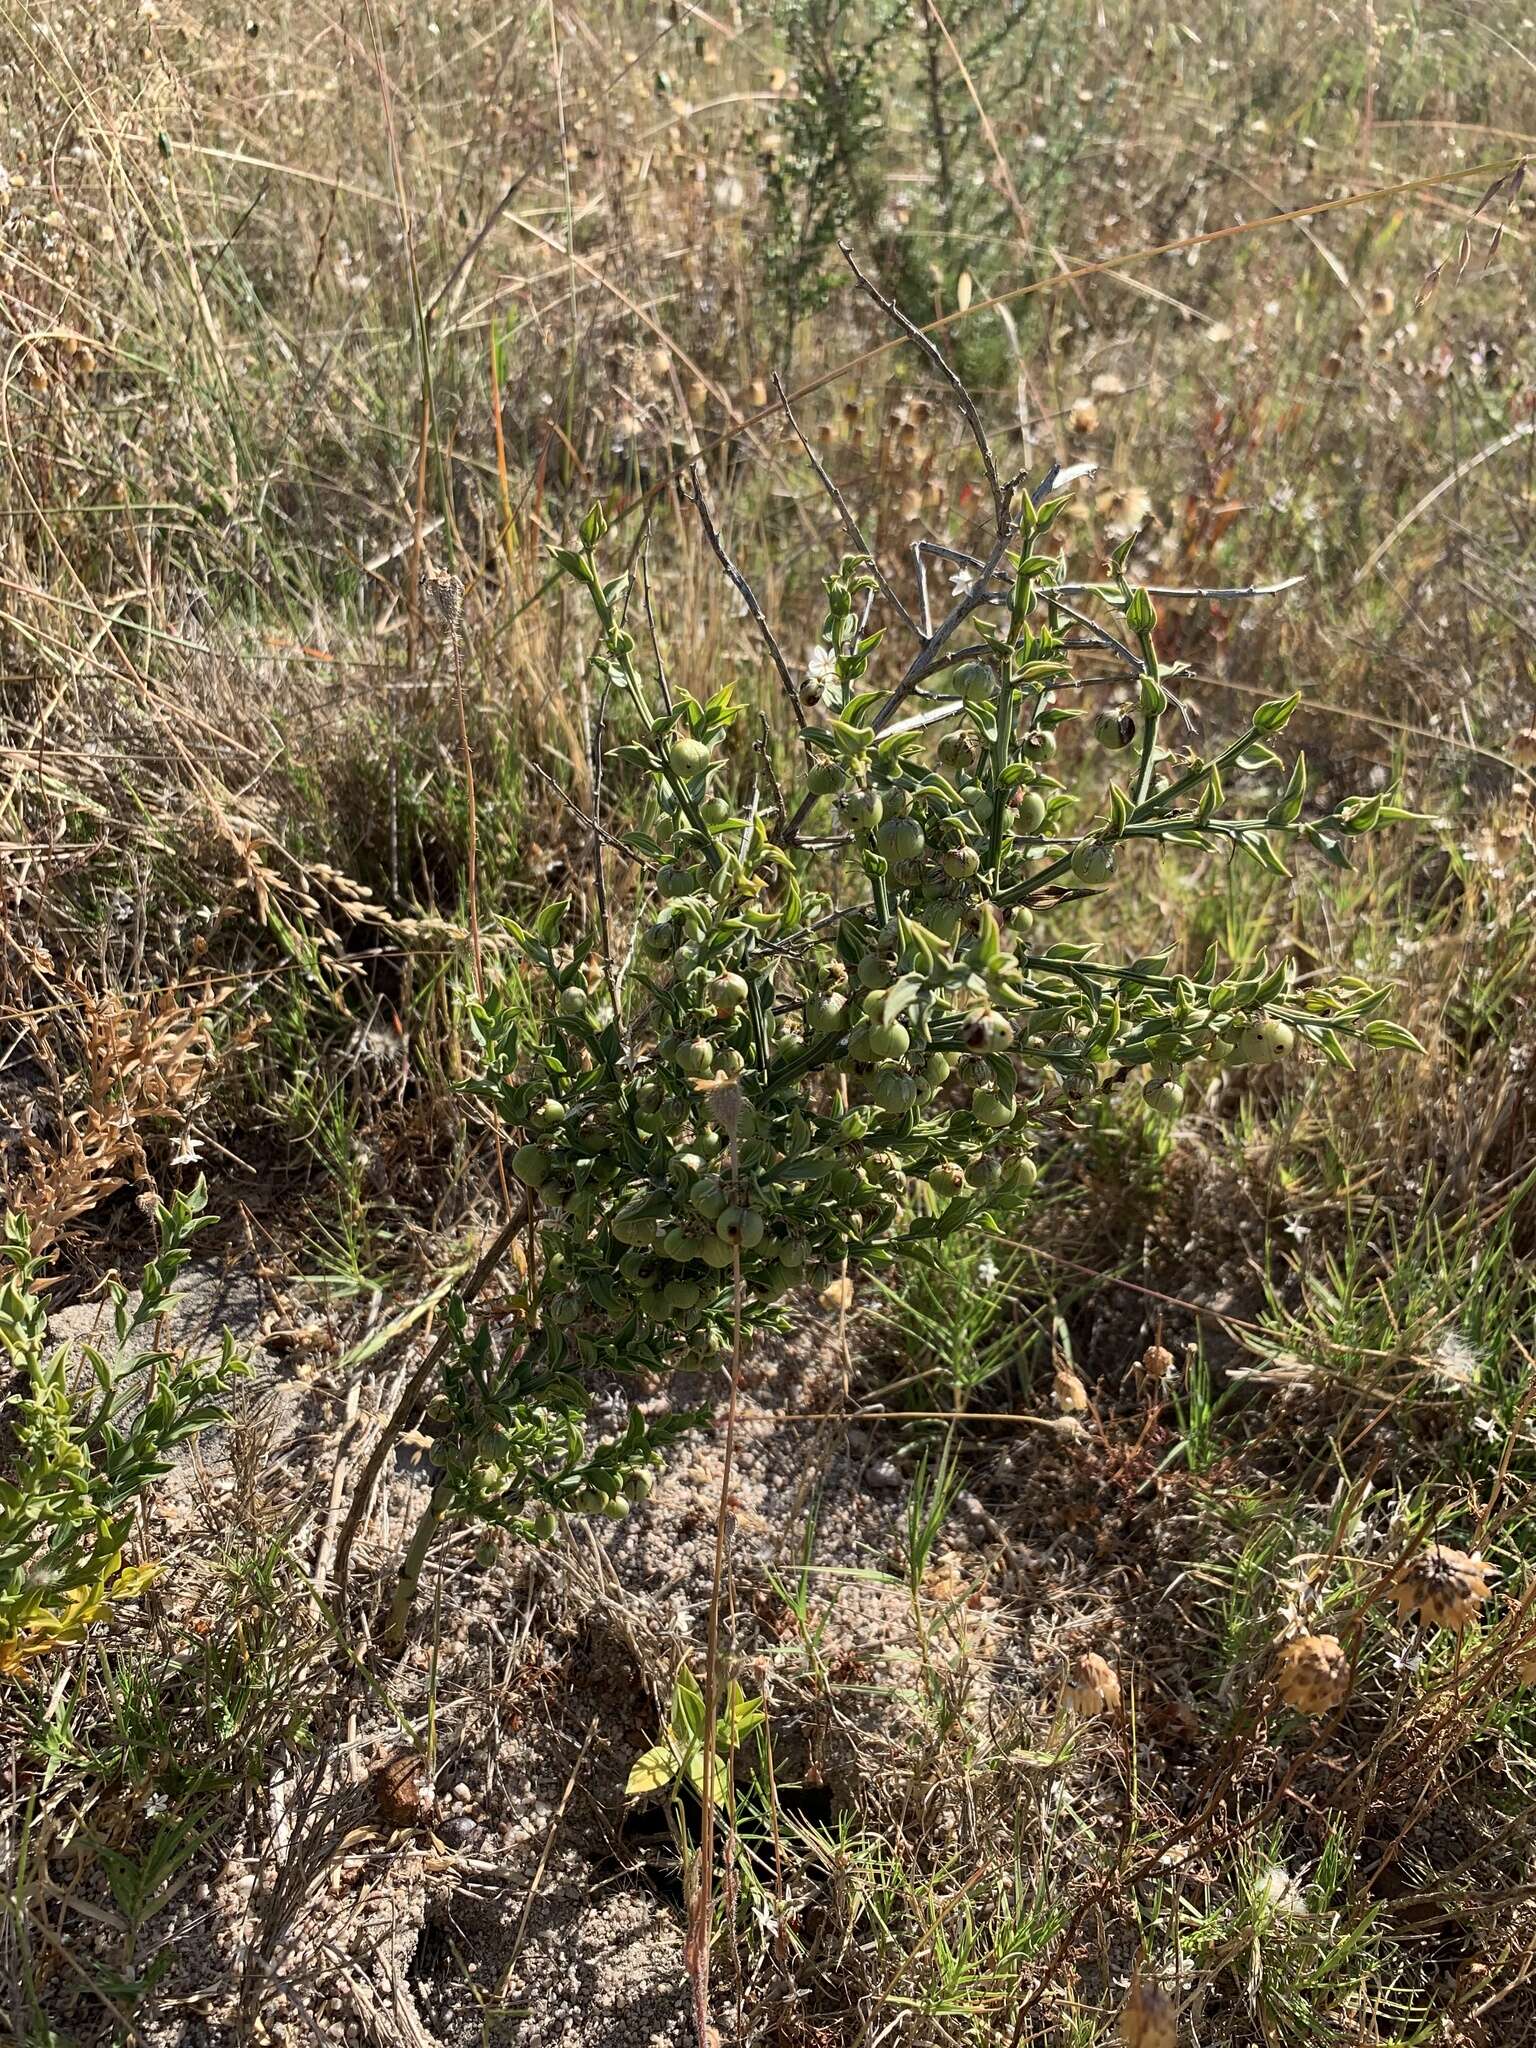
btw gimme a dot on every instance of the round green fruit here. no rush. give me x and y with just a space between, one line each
1265 1039
1093 862
688 757
1166 1097
532 1165
888 1041
1029 811
1114 729
696 1056
900 839
740 1226
894 1093
991 1110
974 682
825 1014
863 809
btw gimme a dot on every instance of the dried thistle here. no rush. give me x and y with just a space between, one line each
1312 1674
1447 1587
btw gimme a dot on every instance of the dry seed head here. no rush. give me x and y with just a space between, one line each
1157 1361
1149 2018
1524 1665
1068 1391
1091 1686
445 594
1312 1674
1446 1586
1083 416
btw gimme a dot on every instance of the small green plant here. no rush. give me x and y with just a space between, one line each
87 1431
851 1017
678 1758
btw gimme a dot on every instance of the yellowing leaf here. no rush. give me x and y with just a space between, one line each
652 1772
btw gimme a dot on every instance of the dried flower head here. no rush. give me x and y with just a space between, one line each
1068 1391
1447 1587
1312 1674
1149 2018
1157 1362
1083 417
1091 1686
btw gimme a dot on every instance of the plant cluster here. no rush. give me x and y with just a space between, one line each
86 1432
846 1024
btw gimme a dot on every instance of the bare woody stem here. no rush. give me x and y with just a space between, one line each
415 1387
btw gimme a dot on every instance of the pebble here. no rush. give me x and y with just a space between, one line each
883 1476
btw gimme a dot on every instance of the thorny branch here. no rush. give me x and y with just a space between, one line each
845 513
694 488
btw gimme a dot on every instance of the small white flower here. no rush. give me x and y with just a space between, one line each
821 666
155 1805
961 580
986 1270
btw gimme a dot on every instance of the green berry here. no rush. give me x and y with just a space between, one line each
727 993
1114 729
888 1041
863 809
740 1226
1265 1039
894 1093
974 682
696 1056
1093 862
688 757
900 839
991 1109
532 1165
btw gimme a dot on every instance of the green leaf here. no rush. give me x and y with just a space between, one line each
1385 1035
688 1705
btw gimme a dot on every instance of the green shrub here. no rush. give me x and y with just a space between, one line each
843 1027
